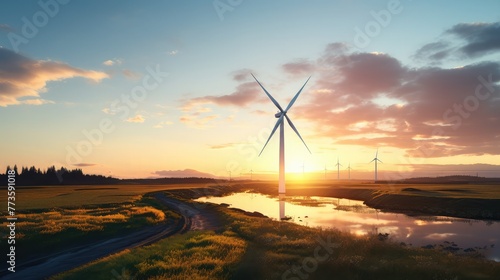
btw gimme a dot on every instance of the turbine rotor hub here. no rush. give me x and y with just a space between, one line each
278 115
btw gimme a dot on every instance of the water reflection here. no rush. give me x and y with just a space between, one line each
355 217
282 207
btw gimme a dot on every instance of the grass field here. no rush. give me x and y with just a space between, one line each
58 228
259 248
53 218
45 197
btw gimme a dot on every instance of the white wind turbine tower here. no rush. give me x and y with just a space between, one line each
349 170
338 169
281 115
376 160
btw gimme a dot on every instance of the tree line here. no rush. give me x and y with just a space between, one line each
32 176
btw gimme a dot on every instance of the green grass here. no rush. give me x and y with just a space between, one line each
46 197
195 255
54 229
260 248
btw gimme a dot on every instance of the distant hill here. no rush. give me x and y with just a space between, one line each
453 179
166 181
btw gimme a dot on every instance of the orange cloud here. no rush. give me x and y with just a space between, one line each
23 79
136 119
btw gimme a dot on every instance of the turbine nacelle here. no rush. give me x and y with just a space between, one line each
278 115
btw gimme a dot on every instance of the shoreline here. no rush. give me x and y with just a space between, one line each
409 201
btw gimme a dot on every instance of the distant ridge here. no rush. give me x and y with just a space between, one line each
452 179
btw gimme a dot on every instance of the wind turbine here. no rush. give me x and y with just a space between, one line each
338 169
349 169
281 115
325 171
376 159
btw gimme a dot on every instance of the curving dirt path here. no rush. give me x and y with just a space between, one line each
44 267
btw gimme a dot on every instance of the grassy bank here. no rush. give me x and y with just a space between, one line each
260 248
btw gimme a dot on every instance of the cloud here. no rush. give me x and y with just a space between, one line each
136 119
196 109
463 40
183 173
131 74
85 164
242 75
163 124
299 68
22 79
173 52
480 38
245 94
371 99
434 51
111 62
260 112
194 120
108 111
6 28
37 101
223 146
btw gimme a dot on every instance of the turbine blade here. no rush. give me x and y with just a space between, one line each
373 160
376 154
379 160
296 96
268 94
296 131
280 120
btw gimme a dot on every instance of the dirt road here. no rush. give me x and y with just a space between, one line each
44 267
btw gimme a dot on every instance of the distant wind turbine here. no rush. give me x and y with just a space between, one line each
376 160
349 170
325 171
281 115
338 169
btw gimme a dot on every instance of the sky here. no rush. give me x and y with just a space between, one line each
164 88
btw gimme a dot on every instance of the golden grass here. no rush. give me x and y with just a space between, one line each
196 255
95 219
46 197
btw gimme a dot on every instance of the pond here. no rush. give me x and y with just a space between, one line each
453 234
